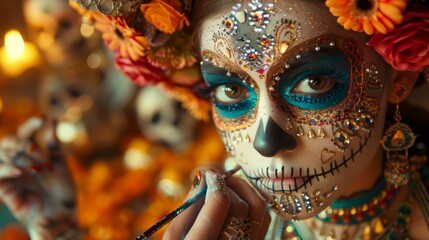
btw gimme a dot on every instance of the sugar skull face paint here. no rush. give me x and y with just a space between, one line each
298 101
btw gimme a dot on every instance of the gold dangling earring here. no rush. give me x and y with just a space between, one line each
396 141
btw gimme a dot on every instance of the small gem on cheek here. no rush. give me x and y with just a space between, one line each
320 133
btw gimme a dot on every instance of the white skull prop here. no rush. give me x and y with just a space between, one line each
54 27
163 120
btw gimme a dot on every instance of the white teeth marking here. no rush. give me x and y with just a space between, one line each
261 179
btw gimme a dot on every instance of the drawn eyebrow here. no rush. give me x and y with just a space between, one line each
313 55
210 68
307 53
223 67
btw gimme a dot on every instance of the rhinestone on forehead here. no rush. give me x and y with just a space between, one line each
230 24
259 15
256 44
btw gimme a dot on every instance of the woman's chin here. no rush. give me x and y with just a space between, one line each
301 204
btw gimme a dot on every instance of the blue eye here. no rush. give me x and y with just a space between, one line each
230 96
317 85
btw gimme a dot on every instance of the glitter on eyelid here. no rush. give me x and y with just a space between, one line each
335 113
245 120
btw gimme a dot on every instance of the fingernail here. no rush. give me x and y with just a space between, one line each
197 180
231 172
215 183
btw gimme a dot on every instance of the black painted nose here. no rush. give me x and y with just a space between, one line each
271 139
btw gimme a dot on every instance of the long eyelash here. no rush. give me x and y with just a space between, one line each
203 90
317 98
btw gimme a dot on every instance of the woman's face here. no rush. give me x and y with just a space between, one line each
298 100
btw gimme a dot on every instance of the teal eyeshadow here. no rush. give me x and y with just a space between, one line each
335 66
231 110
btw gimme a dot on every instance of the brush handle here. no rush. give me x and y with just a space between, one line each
171 215
180 209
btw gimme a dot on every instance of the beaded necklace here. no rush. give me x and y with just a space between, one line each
360 216
359 209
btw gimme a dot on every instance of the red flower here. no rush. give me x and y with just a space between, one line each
406 48
141 71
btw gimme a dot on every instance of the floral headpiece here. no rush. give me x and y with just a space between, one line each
400 32
154 46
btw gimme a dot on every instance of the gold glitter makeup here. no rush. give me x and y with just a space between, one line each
372 81
332 114
237 123
245 34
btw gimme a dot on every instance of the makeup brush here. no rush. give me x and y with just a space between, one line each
152 230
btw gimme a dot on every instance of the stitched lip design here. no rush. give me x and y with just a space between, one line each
278 181
282 185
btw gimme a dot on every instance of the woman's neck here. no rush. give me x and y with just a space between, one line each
369 177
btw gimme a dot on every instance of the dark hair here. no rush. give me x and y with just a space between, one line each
201 10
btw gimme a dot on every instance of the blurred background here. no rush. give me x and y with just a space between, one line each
131 163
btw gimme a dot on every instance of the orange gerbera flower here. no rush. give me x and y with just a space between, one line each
368 16
164 16
121 38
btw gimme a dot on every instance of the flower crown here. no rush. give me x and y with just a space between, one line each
154 46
